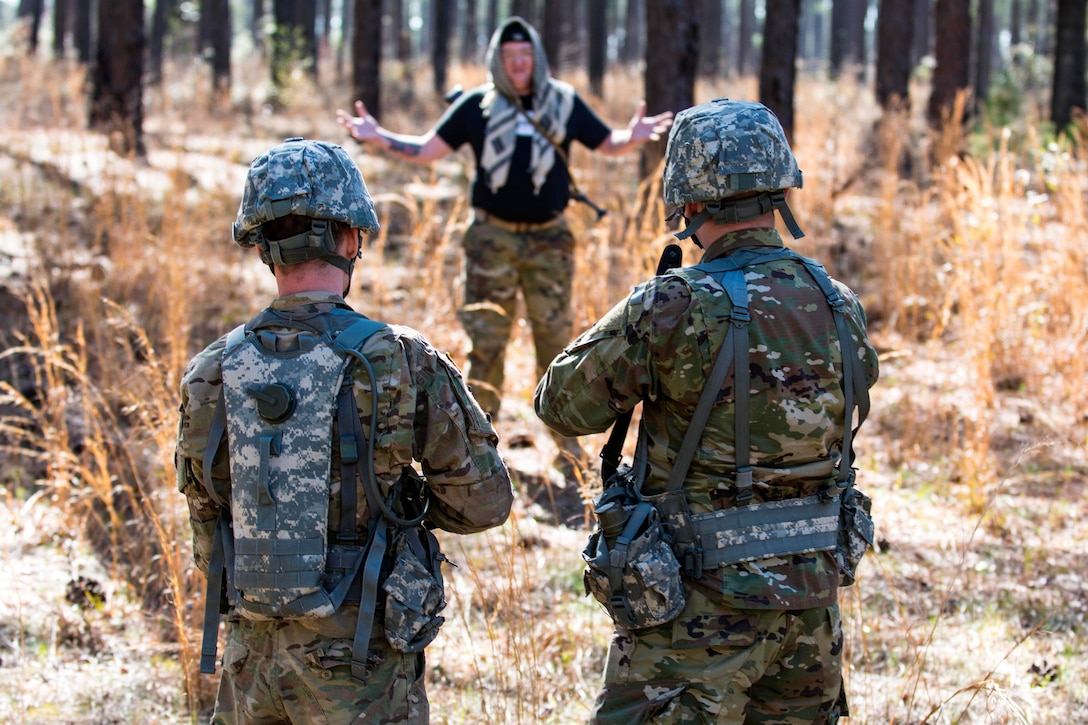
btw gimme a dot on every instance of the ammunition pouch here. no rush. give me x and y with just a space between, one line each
630 565
856 534
415 591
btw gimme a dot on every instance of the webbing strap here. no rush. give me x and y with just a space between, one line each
348 419
617 562
214 594
266 505
777 528
733 353
737 288
280 547
216 434
248 579
368 599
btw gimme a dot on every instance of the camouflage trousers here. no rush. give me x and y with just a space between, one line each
498 263
719 665
286 672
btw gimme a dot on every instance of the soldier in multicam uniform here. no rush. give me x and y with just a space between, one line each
758 641
518 237
301 670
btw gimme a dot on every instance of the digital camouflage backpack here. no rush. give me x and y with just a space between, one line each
275 555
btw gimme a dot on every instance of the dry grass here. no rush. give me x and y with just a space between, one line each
972 269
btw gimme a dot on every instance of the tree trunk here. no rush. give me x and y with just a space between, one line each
984 54
81 31
60 27
158 41
347 28
256 25
778 68
745 33
1015 20
366 54
219 32
633 31
813 24
470 35
952 19
525 9
895 37
923 20
860 51
1069 59
406 53
553 33
710 38
492 16
306 12
671 63
117 89
30 13
597 46
440 56
841 15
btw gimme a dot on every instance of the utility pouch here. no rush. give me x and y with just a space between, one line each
415 592
856 532
673 507
630 566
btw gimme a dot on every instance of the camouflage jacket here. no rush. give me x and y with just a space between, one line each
659 345
426 414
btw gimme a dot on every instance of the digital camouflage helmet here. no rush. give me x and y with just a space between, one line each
307 178
734 157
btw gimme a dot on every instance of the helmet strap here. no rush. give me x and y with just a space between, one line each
778 200
734 211
318 243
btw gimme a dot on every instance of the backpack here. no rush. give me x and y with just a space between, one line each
274 555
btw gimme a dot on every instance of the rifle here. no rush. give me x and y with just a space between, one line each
671 257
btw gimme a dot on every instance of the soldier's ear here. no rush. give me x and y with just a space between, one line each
692 208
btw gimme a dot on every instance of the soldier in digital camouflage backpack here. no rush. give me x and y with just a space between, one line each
297 441
519 238
759 639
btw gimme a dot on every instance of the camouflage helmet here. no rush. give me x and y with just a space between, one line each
724 150
305 178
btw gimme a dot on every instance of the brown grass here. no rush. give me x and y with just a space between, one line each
971 267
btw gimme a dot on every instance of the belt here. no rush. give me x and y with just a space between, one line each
484 217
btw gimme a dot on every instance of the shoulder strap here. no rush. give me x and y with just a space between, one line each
855 392
734 352
218 428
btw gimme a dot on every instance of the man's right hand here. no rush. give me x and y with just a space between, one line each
363 127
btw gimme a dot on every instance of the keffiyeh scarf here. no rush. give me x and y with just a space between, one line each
553 101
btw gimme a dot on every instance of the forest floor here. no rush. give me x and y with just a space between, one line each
974 610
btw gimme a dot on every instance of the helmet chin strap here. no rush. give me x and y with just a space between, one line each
734 211
351 269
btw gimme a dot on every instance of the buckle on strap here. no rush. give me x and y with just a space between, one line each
743 482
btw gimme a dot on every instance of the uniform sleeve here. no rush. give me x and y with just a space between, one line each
608 369
587 126
199 395
457 448
856 320
453 126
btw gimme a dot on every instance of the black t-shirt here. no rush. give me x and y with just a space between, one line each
516 200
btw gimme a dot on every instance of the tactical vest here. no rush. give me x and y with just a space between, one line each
779 528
